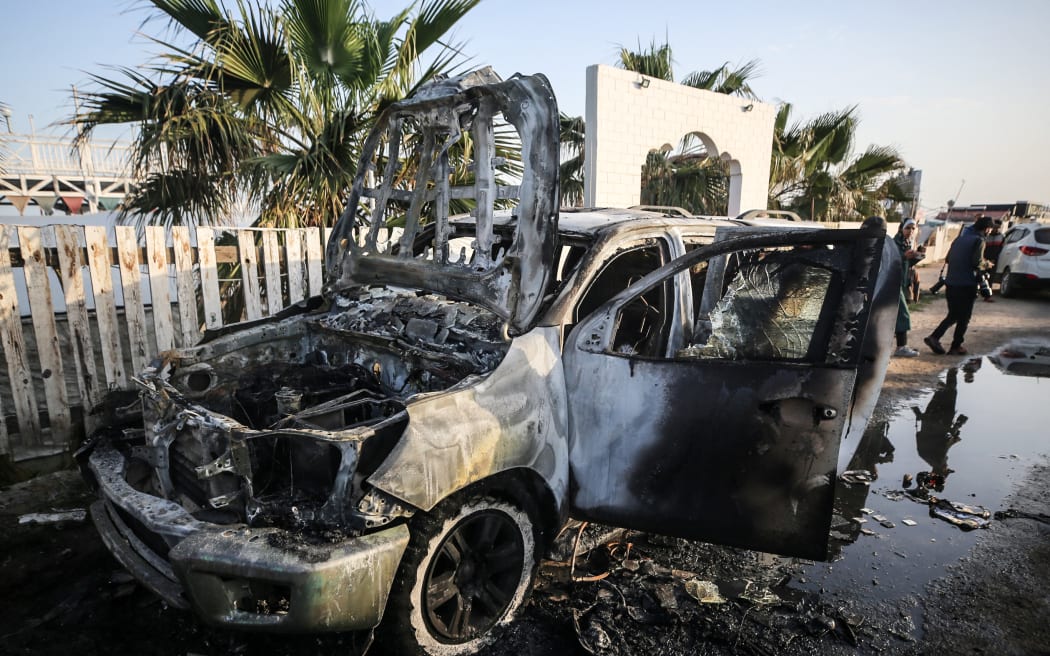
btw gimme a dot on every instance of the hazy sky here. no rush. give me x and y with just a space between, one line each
961 88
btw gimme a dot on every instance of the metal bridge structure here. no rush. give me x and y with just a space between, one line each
53 174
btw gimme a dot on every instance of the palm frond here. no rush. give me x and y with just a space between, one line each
253 61
325 36
730 81
653 61
202 18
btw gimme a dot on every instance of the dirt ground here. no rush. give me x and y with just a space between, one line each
61 592
992 325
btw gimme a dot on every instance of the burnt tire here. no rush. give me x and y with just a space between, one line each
467 571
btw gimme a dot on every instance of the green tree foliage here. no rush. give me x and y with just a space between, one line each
815 173
686 177
268 105
571 136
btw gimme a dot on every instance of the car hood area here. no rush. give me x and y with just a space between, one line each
447 150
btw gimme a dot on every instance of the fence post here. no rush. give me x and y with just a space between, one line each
209 278
71 262
315 260
293 246
272 270
189 325
131 283
249 274
48 350
14 345
160 294
105 306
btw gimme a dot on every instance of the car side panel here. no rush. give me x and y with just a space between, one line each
514 417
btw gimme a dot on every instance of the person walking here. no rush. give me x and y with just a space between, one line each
905 240
965 262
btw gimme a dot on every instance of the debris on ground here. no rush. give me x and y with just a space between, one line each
759 595
77 515
706 592
857 477
965 517
662 595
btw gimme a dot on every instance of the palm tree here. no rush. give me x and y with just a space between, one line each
730 81
687 177
268 106
814 172
656 61
572 138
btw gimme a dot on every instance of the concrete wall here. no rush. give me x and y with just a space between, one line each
626 120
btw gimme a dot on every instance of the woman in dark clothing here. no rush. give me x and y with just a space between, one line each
909 256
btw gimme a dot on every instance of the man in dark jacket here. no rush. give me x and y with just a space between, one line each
965 263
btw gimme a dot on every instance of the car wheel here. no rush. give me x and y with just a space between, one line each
1008 285
466 572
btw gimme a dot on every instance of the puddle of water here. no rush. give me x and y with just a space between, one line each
981 426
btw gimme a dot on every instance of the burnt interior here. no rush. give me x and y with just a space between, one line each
317 403
255 402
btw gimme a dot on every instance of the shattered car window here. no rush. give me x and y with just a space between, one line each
618 274
642 324
769 309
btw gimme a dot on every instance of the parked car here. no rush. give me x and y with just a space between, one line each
1024 357
402 451
1024 262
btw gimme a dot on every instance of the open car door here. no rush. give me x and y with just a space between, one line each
732 435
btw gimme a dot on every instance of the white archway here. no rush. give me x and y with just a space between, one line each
627 114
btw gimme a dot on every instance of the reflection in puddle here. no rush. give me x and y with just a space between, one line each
945 462
937 429
1024 357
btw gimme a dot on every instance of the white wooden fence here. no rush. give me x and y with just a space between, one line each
127 296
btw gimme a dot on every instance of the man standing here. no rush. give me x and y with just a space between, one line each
965 262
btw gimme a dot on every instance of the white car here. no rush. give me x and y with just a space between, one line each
1024 262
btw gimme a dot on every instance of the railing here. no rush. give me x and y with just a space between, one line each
43 155
127 296
49 172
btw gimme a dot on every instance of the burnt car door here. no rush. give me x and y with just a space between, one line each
731 435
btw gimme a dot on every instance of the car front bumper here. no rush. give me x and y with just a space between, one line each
236 576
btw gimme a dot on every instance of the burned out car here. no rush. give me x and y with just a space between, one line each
403 454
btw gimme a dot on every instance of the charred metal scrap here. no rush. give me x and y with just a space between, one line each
507 280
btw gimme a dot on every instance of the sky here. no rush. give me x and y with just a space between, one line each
961 88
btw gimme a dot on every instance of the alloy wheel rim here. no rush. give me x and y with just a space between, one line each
473 576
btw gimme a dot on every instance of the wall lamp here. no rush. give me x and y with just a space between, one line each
748 107
643 83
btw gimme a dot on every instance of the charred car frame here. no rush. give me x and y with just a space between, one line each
402 451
